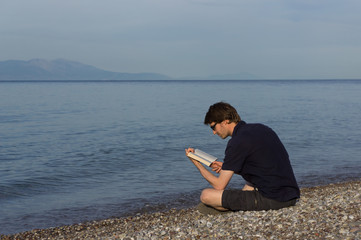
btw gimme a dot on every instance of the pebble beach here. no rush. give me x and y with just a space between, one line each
322 212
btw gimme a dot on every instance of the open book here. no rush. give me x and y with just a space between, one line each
202 157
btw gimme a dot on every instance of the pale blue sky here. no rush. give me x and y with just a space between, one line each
269 39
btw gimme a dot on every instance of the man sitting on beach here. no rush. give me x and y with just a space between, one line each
256 153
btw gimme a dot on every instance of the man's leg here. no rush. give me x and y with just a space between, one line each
213 198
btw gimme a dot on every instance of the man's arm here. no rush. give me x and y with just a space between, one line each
218 183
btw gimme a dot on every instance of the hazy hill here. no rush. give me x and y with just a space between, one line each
39 69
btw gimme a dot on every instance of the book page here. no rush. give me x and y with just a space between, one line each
199 159
204 155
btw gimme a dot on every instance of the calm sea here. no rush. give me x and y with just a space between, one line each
77 151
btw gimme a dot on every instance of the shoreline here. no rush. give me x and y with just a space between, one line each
324 212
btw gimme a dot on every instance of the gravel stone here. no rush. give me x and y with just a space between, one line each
323 212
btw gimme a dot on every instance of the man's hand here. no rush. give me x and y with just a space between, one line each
189 150
218 183
195 162
216 166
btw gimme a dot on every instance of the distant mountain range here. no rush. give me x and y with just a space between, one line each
60 69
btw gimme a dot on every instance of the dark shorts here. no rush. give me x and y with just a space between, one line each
238 200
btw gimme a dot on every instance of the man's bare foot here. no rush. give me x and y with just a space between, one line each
247 188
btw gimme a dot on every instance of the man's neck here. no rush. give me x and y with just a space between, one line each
231 127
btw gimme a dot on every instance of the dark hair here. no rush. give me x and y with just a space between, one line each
221 111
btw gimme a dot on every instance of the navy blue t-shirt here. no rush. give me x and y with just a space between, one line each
258 155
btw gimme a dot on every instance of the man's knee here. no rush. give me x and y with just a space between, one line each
211 196
205 196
